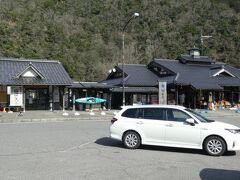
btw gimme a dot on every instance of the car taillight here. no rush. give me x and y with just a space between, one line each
113 120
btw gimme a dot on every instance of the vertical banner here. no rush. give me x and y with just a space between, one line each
3 95
16 96
162 96
239 94
56 95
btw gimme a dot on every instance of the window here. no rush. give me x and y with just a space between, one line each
132 113
154 113
146 113
176 115
199 117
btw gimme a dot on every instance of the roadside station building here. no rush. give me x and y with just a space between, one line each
192 80
32 84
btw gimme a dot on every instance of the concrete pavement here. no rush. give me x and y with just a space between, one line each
46 116
82 150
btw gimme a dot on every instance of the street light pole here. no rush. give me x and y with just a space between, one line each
202 38
123 60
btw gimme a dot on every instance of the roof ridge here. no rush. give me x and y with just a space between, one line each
132 64
195 56
155 59
88 82
29 60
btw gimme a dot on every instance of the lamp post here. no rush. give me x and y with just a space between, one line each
123 37
203 38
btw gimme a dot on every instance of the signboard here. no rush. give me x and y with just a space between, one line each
238 94
56 94
8 90
16 96
3 95
162 96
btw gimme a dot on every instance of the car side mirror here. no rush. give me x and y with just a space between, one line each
190 121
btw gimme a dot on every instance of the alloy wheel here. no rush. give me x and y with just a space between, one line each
214 146
131 140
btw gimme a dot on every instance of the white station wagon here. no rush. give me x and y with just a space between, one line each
173 126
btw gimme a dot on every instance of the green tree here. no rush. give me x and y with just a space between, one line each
86 36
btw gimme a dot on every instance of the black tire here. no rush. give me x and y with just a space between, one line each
215 146
131 140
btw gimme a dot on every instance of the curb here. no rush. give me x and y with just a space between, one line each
18 120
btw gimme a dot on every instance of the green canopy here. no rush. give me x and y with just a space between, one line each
90 100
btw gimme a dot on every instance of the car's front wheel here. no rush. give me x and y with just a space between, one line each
215 146
131 140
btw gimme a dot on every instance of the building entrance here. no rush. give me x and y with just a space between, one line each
37 99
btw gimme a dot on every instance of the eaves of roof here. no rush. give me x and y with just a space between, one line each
90 85
136 89
204 86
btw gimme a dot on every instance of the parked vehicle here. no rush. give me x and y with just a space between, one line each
173 126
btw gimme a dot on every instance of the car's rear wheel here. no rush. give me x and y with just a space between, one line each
215 146
131 140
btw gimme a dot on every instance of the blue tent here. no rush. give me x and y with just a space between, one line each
90 100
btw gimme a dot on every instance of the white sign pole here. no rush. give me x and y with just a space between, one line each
162 92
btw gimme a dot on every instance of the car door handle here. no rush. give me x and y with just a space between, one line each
169 125
140 123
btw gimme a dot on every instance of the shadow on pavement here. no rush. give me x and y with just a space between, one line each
219 174
182 150
173 149
106 141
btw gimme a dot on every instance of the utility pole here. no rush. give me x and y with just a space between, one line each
123 46
202 39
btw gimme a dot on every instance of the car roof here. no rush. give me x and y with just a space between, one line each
153 106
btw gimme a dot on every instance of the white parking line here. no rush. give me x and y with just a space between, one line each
77 147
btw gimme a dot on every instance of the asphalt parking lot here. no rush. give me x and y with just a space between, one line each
82 150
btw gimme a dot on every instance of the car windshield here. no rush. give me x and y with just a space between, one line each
199 116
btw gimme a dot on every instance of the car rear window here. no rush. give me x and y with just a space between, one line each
154 113
131 113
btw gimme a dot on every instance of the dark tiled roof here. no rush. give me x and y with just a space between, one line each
112 82
52 71
228 81
137 75
214 71
168 79
234 71
199 76
193 74
204 85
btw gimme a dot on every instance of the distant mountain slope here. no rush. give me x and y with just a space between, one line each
85 35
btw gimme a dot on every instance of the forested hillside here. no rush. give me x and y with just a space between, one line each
86 35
